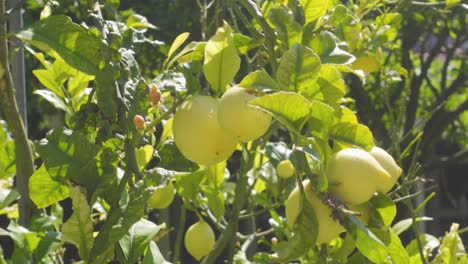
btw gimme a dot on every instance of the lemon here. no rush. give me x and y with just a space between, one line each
388 163
198 134
199 239
285 169
328 228
354 175
235 115
162 196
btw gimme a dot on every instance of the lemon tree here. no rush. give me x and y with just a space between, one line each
253 127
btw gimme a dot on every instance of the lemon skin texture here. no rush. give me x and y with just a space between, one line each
285 169
388 163
199 240
162 196
198 134
246 122
328 228
354 175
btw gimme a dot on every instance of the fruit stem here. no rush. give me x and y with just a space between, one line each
180 233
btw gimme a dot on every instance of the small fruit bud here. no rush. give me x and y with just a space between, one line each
155 95
285 169
274 241
139 122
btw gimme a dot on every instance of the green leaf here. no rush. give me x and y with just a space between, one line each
396 250
366 242
172 159
259 80
277 151
428 242
138 22
7 152
244 43
68 155
352 134
72 43
171 81
52 98
188 184
153 255
48 244
405 224
332 86
325 45
305 233
298 69
314 9
78 230
289 108
288 30
178 41
119 220
385 207
321 117
215 175
47 78
215 201
134 243
221 59
144 155
451 249
44 191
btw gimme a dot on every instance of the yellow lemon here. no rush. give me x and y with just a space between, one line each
198 134
285 169
199 239
235 115
388 163
328 228
354 175
162 196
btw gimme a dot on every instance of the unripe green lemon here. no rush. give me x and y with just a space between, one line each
285 169
162 196
198 134
199 239
388 163
354 175
328 228
246 122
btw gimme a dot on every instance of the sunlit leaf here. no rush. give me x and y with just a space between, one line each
44 191
221 59
314 9
71 41
134 243
78 229
259 80
298 69
352 134
289 108
288 30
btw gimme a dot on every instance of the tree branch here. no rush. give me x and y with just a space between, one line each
24 159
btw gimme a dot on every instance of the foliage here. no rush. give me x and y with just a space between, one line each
301 58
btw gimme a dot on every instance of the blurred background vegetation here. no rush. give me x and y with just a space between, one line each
418 90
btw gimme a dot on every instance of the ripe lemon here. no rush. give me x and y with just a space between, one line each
388 163
328 228
198 134
354 175
246 122
285 169
162 196
199 239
